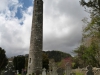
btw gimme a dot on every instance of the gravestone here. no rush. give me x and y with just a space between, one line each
44 72
9 70
38 72
98 72
50 72
68 68
89 72
54 69
60 71
72 74
17 72
51 62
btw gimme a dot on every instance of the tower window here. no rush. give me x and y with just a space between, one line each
37 2
30 60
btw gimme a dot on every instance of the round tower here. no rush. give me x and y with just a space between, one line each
35 53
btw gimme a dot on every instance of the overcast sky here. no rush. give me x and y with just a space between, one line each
62 25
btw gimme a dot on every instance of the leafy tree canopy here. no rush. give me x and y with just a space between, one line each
19 62
89 51
3 59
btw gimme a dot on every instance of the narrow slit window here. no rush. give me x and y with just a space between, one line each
37 2
30 60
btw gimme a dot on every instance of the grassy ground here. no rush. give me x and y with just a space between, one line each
64 74
78 73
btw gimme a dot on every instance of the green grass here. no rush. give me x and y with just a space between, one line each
78 73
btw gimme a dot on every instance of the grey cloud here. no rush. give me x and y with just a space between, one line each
72 11
66 43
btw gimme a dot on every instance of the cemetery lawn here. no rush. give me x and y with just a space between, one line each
78 73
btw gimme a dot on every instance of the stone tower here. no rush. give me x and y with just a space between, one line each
35 53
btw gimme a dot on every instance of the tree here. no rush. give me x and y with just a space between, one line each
75 62
80 56
3 59
91 34
91 53
19 62
63 62
26 61
57 55
95 4
45 61
87 55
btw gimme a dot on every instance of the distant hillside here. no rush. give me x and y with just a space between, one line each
56 55
47 55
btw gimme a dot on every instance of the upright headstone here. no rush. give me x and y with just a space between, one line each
89 72
68 68
17 72
98 72
60 71
50 72
54 69
50 64
44 72
36 42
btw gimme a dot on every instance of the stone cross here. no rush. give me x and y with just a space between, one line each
68 68
54 69
89 72
60 71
